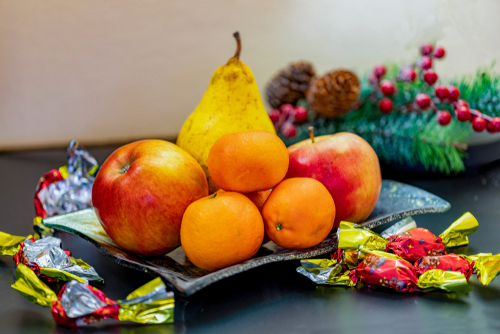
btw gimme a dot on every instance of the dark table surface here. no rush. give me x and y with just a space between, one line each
272 298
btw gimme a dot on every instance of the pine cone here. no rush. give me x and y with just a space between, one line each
290 84
333 94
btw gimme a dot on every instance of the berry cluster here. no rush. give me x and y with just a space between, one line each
285 117
443 95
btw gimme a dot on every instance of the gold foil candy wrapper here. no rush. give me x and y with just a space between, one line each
10 244
354 236
61 275
486 266
32 288
351 258
150 304
456 234
41 229
364 252
325 271
450 281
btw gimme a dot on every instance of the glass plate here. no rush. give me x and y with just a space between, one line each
396 201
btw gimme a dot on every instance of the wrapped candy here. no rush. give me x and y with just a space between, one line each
450 262
385 270
79 304
486 266
46 258
410 245
68 188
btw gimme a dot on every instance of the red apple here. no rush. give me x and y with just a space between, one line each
347 166
141 192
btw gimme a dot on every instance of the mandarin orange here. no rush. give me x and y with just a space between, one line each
221 230
248 161
258 198
299 213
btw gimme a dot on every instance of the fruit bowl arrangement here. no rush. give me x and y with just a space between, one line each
396 201
230 196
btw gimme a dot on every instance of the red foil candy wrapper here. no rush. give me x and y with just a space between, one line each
50 177
413 249
396 274
418 233
450 262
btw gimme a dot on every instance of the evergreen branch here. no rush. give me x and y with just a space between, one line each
408 136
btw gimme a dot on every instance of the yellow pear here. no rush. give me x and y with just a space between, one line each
231 103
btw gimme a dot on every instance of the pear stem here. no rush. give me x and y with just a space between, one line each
238 45
311 133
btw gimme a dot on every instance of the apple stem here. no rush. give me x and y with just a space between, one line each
238 45
311 133
125 169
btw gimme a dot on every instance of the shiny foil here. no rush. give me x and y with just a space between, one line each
48 255
456 234
413 249
69 188
325 271
79 304
31 287
450 281
486 266
354 236
450 262
10 244
379 269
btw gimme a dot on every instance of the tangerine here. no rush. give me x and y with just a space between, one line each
221 230
248 161
299 213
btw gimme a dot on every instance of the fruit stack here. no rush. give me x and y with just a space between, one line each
230 184
298 213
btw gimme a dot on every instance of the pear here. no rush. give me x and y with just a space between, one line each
231 103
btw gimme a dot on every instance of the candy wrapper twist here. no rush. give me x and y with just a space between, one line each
80 304
66 189
46 258
366 257
412 244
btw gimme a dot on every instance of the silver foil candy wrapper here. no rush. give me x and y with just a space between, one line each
77 300
75 191
47 253
71 194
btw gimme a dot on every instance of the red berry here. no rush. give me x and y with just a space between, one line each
442 92
454 93
287 109
407 73
373 80
462 103
494 125
479 124
379 71
430 77
385 106
300 114
463 113
289 130
426 49
439 53
425 62
274 115
423 101
387 88
444 118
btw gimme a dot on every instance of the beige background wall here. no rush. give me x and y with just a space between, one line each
116 70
